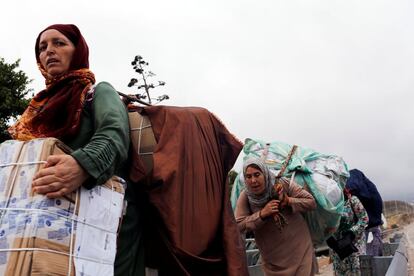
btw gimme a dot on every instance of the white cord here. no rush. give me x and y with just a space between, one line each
140 134
22 163
9 192
140 128
53 251
73 218
72 233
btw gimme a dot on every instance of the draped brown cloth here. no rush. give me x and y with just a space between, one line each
191 229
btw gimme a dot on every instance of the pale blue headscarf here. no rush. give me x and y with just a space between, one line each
267 195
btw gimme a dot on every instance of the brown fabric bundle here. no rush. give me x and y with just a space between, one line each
191 229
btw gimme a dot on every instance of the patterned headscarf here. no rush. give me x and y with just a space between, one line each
266 196
56 110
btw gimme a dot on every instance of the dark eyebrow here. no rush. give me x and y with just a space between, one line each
59 39
54 39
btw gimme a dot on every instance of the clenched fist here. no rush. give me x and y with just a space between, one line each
271 208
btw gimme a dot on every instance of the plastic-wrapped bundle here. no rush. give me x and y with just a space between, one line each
72 235
324 176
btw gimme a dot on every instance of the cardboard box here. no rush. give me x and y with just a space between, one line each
42 236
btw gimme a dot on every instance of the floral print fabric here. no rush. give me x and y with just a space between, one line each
353 218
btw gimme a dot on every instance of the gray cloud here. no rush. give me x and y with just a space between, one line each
334 76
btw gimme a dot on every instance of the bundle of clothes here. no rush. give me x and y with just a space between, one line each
190 227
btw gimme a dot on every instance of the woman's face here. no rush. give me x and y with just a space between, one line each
255 180
56 52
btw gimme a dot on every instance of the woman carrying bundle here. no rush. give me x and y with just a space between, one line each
90 119
274 214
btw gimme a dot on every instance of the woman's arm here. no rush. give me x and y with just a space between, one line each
299 199
361 215
108 148
246 221
94 163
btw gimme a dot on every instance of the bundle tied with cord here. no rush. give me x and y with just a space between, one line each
323 175
72 235
143 144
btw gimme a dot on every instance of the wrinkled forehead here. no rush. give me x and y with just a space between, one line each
52 34
254 164
253 170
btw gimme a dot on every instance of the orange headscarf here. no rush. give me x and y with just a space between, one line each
56 110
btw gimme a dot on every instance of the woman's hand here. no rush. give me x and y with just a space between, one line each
61 175
285 201
282 195
270 209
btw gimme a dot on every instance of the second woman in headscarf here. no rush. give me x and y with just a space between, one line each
275 218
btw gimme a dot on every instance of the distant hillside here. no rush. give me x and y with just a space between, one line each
396 207
398 213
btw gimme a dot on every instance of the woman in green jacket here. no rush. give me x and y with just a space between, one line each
89 118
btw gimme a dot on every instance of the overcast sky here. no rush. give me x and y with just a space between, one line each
334 76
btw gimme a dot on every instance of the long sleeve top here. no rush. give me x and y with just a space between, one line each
101 146
286 251
353 218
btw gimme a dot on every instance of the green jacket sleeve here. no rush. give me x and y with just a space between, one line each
107 150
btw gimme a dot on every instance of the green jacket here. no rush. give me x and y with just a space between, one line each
101 146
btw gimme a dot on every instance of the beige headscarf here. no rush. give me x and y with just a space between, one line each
267 195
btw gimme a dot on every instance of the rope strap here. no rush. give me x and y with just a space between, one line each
286 163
